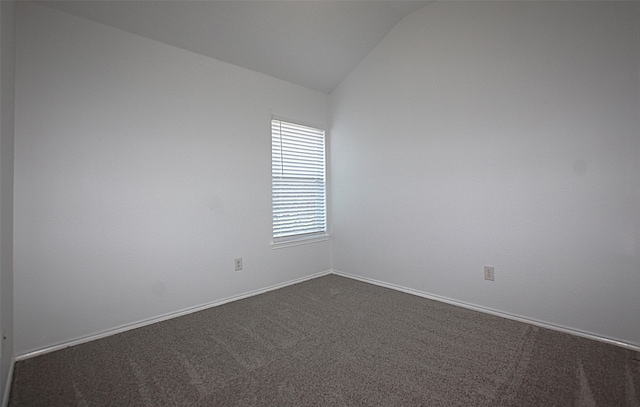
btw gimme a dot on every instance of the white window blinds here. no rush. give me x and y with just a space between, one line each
298 180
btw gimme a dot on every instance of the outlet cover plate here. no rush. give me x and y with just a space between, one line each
489 273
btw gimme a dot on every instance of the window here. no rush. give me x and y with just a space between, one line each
298 181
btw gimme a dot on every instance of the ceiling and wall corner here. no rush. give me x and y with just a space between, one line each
310 43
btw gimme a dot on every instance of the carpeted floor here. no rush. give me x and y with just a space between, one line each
333 341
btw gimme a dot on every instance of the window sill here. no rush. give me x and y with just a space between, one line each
297 241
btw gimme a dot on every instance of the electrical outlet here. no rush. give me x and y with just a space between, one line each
489 273
239 264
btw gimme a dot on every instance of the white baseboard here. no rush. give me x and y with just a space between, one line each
165 317
542 324
128 327
7 385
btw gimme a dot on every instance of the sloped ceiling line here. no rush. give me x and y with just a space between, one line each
310 43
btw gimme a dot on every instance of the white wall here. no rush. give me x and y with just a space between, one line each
475 133
7 71
142 171
504 134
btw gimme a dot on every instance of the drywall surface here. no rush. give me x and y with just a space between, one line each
141 172
7 104
503 134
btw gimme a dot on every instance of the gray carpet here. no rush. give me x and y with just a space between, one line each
333 341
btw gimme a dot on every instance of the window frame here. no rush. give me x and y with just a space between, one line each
298 238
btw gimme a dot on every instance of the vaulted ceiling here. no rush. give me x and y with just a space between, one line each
311 43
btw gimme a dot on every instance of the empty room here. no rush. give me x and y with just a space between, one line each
331 203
